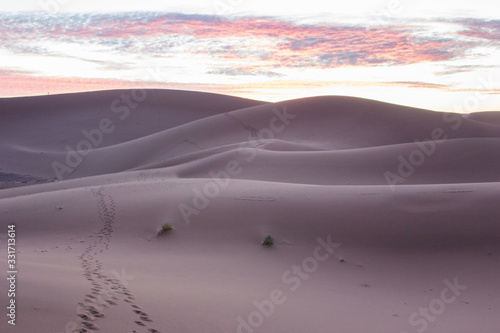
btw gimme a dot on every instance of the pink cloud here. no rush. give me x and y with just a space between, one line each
287 44
295 45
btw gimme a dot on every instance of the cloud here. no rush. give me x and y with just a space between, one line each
419 84
222 49
11 72
488 30
272 40
450 70
243 71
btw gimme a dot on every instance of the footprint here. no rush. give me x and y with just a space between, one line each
90 326
85 317
93 311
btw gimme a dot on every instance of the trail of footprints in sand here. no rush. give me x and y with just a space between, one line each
105 291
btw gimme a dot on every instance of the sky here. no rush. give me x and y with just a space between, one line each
439 55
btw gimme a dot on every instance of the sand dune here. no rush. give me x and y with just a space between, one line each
379 212
63 120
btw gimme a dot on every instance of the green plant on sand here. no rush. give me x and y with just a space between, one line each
164 228
268 241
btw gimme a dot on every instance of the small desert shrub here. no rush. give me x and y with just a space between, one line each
164 228
268 241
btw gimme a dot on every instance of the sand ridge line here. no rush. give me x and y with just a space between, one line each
105 291
256 198
195 156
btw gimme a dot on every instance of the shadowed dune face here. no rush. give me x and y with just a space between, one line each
374 209
137 113
37 131
322 140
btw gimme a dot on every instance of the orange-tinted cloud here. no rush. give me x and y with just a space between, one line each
19 84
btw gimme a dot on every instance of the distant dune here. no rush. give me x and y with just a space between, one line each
384 216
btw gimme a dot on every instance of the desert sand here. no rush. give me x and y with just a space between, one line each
384 217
